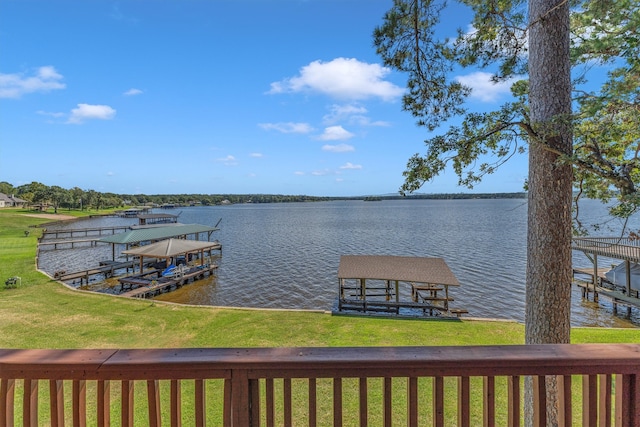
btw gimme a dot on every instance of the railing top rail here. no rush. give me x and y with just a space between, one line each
322 361
623 241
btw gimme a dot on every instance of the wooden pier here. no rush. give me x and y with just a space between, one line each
145 287
107 269
594 280
83 232
77 237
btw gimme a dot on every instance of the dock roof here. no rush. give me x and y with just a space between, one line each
172 247
401 268
157 233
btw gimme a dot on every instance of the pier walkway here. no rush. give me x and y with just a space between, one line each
594 280
106 269
77 237
145 287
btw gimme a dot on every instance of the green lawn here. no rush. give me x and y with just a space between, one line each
42 313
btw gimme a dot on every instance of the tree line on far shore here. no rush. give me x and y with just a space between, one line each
57 197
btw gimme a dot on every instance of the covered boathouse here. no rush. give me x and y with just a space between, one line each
396 284
154 234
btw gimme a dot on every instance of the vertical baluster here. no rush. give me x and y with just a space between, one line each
489 404
464 405
270 402
513 397
412 401
126 400
590 400
604 407
363 402
79 392
153 403
313 403
176 403
565 413
7 390
539 386
30 403
387 407
438 401
287 402
200 405
104 403
56 402
337 402
227 402
254 389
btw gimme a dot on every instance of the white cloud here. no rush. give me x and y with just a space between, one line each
323 172
44 80
288 127
339 113
335 133
352 114
483 88
228 161
91 112
342 78
256 155
350 165
340 148
133 92
299 173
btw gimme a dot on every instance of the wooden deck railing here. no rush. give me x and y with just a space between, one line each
599 384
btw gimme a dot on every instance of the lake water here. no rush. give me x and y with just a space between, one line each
287 255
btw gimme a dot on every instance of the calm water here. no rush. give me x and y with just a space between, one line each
287 255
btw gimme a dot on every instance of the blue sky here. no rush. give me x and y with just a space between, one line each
218 96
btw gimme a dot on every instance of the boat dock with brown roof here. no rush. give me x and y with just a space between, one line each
371 283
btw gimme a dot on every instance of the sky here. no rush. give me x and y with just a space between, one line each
214 97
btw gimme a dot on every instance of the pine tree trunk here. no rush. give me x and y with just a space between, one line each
549 269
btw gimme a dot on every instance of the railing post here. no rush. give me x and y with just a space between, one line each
627 400
240 399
